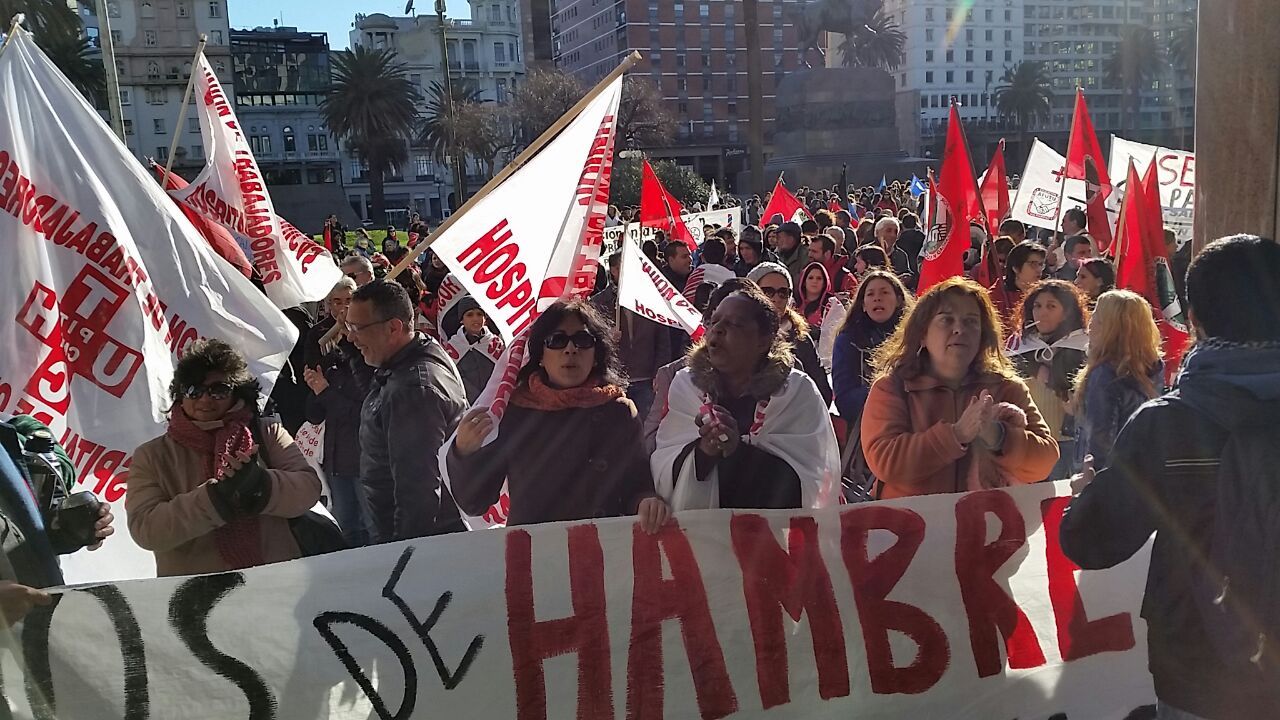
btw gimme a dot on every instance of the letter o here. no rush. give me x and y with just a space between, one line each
491 268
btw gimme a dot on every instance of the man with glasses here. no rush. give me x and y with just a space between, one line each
413 406
359 268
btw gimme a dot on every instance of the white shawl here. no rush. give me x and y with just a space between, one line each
793 425
489 345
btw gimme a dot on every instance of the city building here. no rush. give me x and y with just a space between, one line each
281 77
484 49
695 51
155 43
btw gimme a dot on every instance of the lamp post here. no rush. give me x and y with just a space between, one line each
456 158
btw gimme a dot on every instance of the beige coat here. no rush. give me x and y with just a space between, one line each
171 514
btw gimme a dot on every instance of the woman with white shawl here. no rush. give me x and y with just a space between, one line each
744 428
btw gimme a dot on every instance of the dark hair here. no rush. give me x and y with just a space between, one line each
1077 216
858 317
724 290
650 249
828 244
209 355
1069 296
614 260
909 220
809 227
1002 245
1075 241
726 235
1233 287
1102 269
873 255
750 233
1011 226
1018 257
792 229
666 249
390 301
824 219
713 251
606 366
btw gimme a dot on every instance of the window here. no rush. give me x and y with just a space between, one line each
193 125
260 144
157 126
149 38
706 60
928 56
502 90
183 10
495 13
499 53
113 9
197 152
968 76
682 84
928 35
951 76
928 77
928 14
422 166
1008 36
988 15
951 56
317 142
968 36
290 144
703 10
126 96
990 36
153 70
215 8
415 79
1008 56
320 176
155 96
115 36
968 56
469 53
680 59
216 37
1008 15
146 11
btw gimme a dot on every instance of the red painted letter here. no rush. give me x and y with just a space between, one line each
989 607
1078 636
872 581
586 632
655 599
796 579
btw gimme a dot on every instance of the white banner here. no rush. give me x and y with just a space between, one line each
232 191
106 284
696 222
1036 200
645 291
1176 171
946 606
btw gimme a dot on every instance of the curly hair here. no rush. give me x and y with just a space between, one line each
209 355
606 366
904 352
1069 296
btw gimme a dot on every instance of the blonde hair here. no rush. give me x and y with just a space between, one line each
1123 335
904 353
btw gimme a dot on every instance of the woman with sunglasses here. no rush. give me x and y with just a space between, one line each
569 445
744 428
217 490
775 283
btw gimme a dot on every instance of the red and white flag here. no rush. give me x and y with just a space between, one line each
1085 162
232 191
645 291
533 240
661 210
783 202
995 191
106 284
960 204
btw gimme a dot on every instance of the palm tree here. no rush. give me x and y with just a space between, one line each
875 44
1024 94
78 59
1182 55
441 134
373 106
1134 63
42 16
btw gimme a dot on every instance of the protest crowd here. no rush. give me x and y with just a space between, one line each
834 365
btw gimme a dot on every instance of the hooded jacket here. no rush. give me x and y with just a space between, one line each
814 316
851 370
413 406
1162 479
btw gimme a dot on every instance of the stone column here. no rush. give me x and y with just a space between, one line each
1237 119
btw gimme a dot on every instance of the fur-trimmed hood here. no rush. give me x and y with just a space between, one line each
768 379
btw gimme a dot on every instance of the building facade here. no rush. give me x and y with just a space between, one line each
486 49
155 43
695 52
281 77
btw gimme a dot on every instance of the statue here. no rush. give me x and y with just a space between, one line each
837 16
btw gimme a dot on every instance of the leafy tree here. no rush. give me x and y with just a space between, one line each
373 107
643 119
1024 94
544 96
1132 66
876 44
679 180
56 30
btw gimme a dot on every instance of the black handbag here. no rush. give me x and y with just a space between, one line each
316 534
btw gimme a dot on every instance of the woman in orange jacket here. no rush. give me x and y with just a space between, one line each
948 412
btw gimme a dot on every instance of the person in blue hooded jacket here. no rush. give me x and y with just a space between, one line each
1162 478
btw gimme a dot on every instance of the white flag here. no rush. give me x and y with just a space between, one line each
645 291
537 236
106 283
1176 173
713 198
232 192
1036 202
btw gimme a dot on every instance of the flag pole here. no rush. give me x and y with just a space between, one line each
622 272
17 25
524 157
182 110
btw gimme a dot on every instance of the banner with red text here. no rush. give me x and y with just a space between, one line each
106 283
232 192
1176 171
696 222
645 291
947 606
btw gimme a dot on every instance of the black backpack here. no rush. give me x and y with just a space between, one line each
1238 594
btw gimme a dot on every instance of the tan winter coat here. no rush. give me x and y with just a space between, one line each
171 514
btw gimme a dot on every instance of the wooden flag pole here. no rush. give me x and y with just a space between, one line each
182 110
14 28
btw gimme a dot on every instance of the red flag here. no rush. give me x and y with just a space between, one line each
1142 262
958 204
660 209
1085 162
783 203
217 236
995 191
834 205
328 238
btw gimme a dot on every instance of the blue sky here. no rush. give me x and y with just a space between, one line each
329 16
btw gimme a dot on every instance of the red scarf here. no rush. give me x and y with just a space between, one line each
239 542
538 395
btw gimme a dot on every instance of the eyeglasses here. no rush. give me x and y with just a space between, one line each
215 391
352 329
775 292
558 340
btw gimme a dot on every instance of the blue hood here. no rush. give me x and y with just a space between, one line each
1232 383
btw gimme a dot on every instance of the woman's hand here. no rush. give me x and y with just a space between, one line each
235 463
976 418
472 431
315 380
654 513
102 528
17 600
719 432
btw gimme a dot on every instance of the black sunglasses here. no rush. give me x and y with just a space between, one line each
558 340
775 292
216 391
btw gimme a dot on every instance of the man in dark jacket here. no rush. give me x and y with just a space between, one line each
1163 478
413 406
643 345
